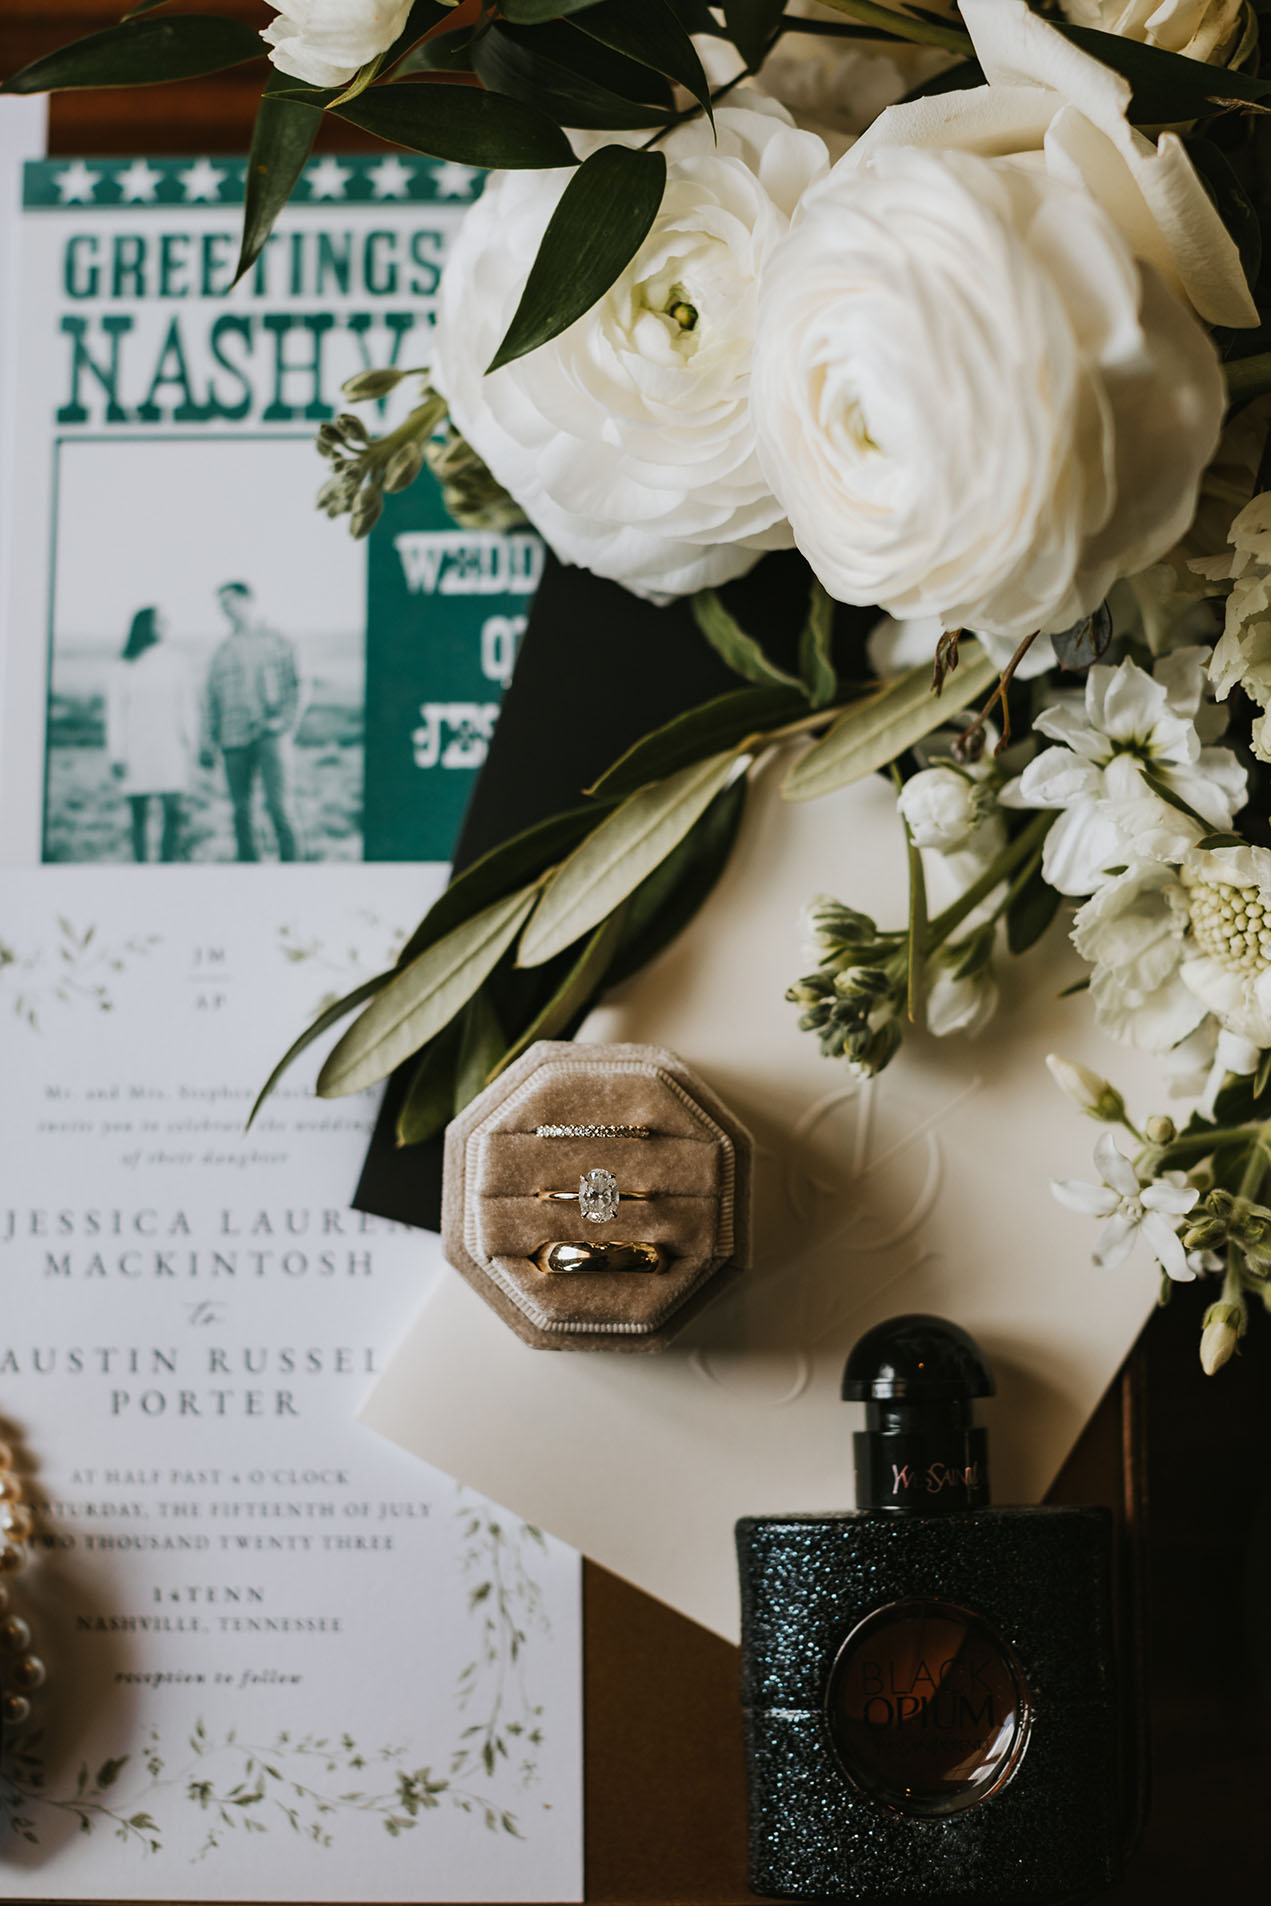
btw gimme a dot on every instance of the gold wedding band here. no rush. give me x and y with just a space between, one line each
577 1254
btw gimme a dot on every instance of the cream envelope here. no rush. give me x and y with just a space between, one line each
925 1190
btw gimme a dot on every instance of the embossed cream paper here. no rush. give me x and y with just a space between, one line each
926 1190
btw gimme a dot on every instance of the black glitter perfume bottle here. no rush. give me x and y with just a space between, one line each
928 1682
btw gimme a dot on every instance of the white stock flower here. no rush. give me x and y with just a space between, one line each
1131 1206
1056 107
1242 657
959 1002
942 807
1091 1093
628 440
1202 29
1228 967
1130 724
972 401
327 41
1133 933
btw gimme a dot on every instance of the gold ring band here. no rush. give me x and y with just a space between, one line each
577 1254
572 1197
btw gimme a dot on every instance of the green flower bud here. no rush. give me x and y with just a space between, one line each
1096 1098
1206 1235
1160 1130
403 466
365 385
366 512
1222 1327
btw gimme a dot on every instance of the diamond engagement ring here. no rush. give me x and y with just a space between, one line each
592 1131
597 1196
577 1254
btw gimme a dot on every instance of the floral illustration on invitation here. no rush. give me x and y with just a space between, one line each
78 969
314 1785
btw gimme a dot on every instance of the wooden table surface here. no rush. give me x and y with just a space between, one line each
665 1815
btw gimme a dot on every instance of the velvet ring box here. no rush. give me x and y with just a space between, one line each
694 1167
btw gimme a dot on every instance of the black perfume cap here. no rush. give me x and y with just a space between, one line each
921 1451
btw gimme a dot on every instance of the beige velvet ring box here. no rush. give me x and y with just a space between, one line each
693 1169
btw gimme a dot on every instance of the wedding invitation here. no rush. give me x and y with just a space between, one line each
286 1660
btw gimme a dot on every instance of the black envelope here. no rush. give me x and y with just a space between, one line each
598 669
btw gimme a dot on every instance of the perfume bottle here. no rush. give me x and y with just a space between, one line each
930 1702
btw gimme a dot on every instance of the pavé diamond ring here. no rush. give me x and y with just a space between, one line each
592 1131
597 1196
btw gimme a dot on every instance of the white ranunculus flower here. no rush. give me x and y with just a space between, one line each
628 439
1133 932
1228 967
327 41
1202 29
972 401
1053 106
1129 724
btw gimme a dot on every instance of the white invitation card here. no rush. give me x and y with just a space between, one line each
286 1661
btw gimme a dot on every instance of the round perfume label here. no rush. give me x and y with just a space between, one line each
927 1707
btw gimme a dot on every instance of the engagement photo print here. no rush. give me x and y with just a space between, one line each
208 657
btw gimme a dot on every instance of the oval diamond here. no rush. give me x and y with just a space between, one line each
598 1195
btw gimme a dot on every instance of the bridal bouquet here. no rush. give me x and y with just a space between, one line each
964 303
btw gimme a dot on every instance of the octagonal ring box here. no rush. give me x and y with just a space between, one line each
696 1162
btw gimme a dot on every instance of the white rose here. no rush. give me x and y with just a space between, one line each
942 808
628 439
327 41
972 401
1202 29
1056 108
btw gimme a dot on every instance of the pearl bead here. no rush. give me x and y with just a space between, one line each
15 1710
15 1635
16 1521
4 1599
29 1673
12 1558
10 1488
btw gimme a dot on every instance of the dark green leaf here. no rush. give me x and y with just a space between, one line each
617 855
1086 641
603 218
109 1772
428 1106
1029 911
880 727
531 12
662 906
423 997
331 1016
916 952
574 78
1234 206
1223 840
482 1043
506 866
751 25
143 6
731 643
954 79
816 664
716 724
573 995
142 52
1168 87
462 123
282 139
654 37
1164 792
1262 1076
1078 986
